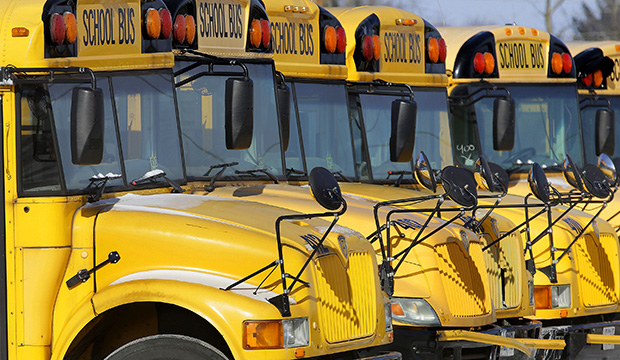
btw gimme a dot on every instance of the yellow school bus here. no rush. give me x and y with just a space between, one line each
308 41
577 295
104 257
411 63
322 120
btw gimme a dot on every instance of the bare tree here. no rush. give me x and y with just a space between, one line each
600 23
548 9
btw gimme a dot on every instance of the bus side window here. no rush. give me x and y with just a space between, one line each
39 163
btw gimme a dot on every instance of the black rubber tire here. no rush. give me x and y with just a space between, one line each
167 347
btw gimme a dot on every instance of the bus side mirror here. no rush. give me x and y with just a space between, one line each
538 182
404 113
284 112
503 124
239 118
87 126
325 189
605 130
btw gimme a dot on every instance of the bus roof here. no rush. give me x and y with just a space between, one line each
104 41
297 28
611 49
521 54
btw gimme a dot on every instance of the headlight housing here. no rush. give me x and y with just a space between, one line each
388 316
276 334
414 312
552 296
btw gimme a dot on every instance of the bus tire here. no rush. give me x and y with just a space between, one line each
167 347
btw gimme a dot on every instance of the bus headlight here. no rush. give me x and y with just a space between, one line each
276 334
552 296
530 291
296 332
414 312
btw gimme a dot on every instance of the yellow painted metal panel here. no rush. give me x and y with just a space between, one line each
462 335
109 28
42 274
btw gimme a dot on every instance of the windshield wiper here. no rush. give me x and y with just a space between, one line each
97 185
400 174
151 176
254 171
344 178
290 171
210 187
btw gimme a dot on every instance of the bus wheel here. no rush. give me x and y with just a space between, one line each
167 347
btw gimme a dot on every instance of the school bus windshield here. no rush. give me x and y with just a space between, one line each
202 116
142 117
324 123
588 119
547 128
432 130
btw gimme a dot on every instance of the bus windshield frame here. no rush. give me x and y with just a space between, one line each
140 122
371 105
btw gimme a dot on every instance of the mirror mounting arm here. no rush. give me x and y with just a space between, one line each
590 101
454 98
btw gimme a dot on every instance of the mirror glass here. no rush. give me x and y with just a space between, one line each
538 183
608 168
571 173
424 172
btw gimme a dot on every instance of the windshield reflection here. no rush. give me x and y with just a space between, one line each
202 111
142 117
324 123
547 128
588 119
432 130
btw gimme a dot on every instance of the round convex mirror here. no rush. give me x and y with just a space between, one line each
460 185
594 181
490 176
424 172
608 168
324 188
571 173
538 183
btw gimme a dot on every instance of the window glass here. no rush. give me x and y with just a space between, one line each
39 170
77 176
547 129
202 114
324 122
147 125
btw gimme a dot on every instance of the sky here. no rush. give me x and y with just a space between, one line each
483 12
